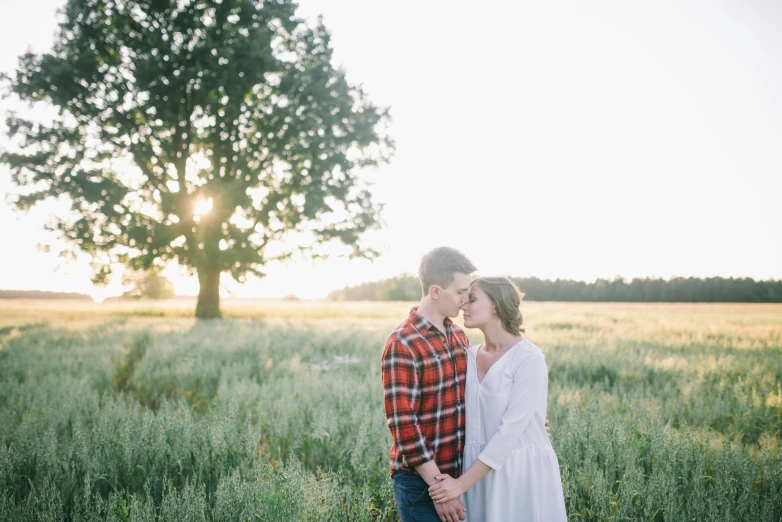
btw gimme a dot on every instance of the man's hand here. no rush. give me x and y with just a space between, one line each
548 430
451 511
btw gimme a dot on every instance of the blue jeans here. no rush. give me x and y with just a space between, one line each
411 494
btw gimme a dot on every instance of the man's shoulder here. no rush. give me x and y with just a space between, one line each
406 335
398 333
402 332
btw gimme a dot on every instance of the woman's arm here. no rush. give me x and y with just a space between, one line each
449 488
528 396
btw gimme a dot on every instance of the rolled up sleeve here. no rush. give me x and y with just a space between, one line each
402 393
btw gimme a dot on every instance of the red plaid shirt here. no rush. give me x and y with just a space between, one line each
424 372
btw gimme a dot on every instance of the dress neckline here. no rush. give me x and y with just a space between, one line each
480 381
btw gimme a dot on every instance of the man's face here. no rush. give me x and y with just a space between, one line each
451 298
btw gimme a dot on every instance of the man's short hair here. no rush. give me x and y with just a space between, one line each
439 265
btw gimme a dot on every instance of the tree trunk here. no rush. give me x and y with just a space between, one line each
208 306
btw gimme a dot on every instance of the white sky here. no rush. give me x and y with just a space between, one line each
551 139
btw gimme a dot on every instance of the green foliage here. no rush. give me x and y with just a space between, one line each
162 106
676 290
400 288
41 294
148 284
658 413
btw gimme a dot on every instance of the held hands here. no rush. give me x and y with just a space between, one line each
446 491
451 511
447 488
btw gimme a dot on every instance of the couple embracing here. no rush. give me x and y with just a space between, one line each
468 423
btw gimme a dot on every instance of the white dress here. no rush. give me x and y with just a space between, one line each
505 430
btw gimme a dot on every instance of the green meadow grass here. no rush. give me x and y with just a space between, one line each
135 411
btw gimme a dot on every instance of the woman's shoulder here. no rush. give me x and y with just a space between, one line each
529 350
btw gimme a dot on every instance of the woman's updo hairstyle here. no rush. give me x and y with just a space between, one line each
506 297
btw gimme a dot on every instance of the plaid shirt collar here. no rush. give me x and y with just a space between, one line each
423 325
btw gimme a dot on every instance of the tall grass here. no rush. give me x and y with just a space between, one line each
659 413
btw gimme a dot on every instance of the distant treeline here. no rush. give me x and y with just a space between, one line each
676 290
41 294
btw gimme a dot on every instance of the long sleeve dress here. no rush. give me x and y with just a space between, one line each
505 415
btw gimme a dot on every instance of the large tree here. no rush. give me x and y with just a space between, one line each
217 134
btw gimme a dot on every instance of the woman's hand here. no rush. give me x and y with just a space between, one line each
447 488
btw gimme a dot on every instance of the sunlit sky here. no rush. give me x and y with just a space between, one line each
551 139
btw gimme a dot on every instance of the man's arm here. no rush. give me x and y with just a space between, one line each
400 387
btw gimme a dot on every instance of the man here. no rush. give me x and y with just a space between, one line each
424 368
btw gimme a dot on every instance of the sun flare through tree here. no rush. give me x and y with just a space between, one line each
215 134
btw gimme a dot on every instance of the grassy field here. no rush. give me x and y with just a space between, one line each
135 411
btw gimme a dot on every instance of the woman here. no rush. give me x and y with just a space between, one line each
511 472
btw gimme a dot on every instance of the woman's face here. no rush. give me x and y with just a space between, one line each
479 309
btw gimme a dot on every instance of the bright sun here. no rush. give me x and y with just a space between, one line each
98 295
202 206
